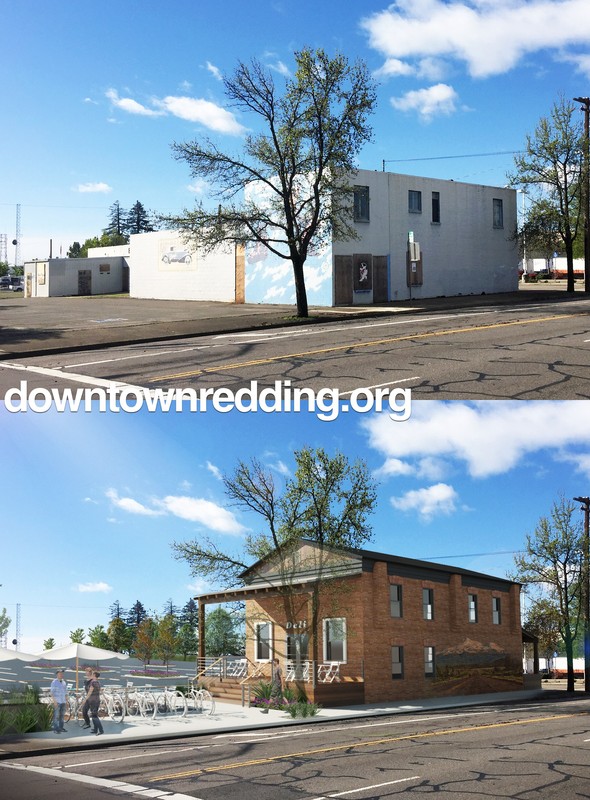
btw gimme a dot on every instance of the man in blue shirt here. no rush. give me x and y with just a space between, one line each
58 690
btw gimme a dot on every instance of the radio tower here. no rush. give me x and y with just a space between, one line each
17 240
3 248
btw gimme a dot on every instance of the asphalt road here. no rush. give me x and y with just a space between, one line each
505 352
534 750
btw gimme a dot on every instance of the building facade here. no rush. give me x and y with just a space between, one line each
366 627
417 238
64 277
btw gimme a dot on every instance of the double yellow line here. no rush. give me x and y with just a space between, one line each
354 346
353 746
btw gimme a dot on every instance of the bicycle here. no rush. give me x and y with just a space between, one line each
171 701
202 699
112 705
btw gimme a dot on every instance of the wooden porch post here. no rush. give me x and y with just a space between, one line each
201 612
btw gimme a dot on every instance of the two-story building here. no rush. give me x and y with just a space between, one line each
364 627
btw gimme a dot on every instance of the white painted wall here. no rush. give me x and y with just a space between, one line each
464 254
163 267
58 277
114 250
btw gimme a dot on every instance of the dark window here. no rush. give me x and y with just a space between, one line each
263 636
397 662
496 611
414 202
498 214
436 207
472 604
395 600
428 603
361 203
297 646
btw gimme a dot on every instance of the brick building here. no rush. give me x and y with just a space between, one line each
364 627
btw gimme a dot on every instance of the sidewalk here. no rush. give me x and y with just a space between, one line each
40 326
227 719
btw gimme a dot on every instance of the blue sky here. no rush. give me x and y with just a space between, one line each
92 501
95 93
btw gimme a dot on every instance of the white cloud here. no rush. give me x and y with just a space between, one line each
202 111
131 106
489 437
197 509
429 502
100 586
130 505
99 188
438 100
199 186
489 38
215 471
215 71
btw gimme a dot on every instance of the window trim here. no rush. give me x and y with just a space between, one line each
325 628
414 208
258 641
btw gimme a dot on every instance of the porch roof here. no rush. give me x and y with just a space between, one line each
250 592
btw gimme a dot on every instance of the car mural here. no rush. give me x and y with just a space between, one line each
182 256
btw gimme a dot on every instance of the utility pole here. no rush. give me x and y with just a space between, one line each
585 101
585 593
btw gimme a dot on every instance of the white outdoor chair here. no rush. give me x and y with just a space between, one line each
329 672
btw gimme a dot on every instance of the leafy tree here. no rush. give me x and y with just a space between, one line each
552 165
98 637
49 644
77 636
75 250
166 640
138 220
171 610
221 636
119 635
542 620
136 615
4 622
552 564
188 642
144 642
3 268
299 166
328 501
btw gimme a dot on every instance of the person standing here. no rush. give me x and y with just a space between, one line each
93 700
85 708
59 691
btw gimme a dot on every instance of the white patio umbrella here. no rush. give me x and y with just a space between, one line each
15 655
79 651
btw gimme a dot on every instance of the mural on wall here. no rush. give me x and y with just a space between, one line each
175 255
473 667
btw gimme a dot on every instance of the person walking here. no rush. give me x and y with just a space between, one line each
58 691
277 681
85 707
93 700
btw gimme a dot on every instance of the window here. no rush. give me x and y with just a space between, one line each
428 603
472 605
297 646
397 662
429 662
496 611
335 639
263 641
395 600
436 208
498 214
361 203
414 202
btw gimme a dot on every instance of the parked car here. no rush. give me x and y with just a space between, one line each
5 282
17 285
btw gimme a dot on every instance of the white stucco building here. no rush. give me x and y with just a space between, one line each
463 243
63 277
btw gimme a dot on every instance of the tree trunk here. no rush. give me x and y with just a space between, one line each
300 291
569 653
569 254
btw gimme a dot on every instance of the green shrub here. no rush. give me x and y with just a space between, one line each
303 709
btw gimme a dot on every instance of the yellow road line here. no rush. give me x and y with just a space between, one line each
335 748
337 348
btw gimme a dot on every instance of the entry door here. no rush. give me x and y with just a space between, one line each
84 281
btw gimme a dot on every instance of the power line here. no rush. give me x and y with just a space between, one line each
441 158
